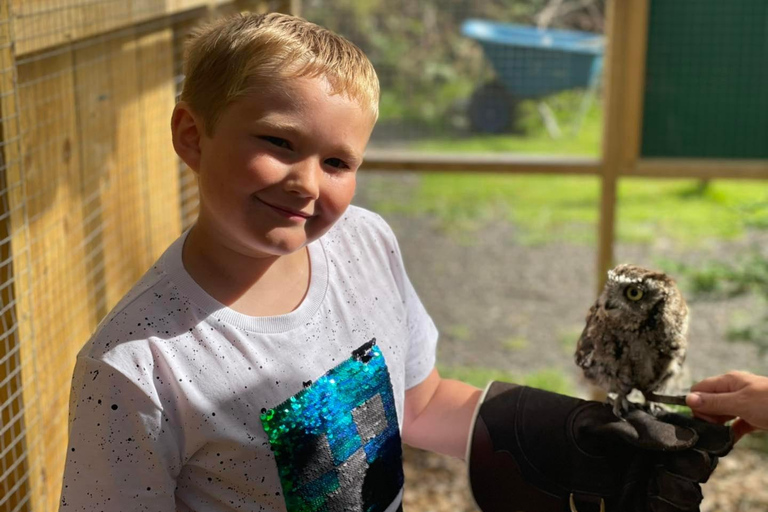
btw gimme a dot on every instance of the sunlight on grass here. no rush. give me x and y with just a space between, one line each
587 143
581 140
566 208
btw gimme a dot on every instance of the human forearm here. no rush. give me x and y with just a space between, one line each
439 415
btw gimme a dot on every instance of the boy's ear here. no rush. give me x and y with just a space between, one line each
186 130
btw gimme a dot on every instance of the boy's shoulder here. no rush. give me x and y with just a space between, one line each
126 322
358 222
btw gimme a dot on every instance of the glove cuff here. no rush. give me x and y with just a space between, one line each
475 416
522 451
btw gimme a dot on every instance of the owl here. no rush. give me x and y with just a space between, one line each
635 334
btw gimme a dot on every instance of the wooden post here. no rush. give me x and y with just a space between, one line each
626 30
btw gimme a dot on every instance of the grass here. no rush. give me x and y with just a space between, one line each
582 140
586 143
459 332
567 338
548 379
566 208
515 343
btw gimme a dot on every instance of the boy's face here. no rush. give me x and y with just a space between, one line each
280 169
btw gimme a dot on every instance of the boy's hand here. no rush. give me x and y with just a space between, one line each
732 395
535 451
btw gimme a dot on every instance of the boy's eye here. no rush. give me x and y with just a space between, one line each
277 141
336 162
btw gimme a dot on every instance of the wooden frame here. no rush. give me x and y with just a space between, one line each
32 452
626 31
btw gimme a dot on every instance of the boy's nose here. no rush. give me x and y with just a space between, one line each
304 179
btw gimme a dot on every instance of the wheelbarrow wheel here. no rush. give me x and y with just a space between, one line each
491 109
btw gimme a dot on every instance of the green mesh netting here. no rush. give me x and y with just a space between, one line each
707 79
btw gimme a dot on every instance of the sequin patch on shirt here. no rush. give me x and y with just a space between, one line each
337 442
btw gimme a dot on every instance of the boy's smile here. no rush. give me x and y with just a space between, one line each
298 216
279 169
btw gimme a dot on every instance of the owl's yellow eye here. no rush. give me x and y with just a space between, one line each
633 293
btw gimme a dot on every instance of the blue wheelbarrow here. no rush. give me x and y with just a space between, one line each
531 63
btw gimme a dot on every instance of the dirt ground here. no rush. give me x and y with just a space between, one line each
500 304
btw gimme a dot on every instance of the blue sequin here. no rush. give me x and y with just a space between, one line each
337 442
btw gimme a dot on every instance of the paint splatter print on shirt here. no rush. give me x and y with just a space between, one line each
168 395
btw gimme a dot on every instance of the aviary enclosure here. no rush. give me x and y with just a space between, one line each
92 192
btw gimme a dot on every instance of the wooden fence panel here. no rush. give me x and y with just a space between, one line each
89 198
55 291
158 95
42 24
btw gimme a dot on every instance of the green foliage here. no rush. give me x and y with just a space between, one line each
568 338
532 137
476 375
550 380
728 278
459 332
549 209
515 344
424 63
747 274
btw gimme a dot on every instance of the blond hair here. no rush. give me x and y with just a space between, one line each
241 54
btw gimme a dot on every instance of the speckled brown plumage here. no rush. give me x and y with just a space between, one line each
635 334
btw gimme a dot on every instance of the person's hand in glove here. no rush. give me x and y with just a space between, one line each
535 451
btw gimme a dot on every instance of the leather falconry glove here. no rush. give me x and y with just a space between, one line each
535 451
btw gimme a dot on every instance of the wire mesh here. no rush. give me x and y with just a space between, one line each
521 77
91 191
707 80
91 194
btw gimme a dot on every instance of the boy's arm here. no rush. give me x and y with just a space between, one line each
438 415
123 451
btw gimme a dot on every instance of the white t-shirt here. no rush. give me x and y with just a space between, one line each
180 403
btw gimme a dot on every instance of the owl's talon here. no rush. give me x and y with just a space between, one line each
620 406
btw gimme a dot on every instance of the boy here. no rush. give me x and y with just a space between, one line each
273 355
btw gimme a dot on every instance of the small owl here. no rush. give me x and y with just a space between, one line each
635 335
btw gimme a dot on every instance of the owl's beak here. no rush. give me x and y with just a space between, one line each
610 305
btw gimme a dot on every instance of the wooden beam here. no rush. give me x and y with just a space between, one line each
614 80
625 66
698 168
468 162
45 24
634 80
672 168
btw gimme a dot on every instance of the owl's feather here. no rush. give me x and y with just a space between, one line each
635 333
